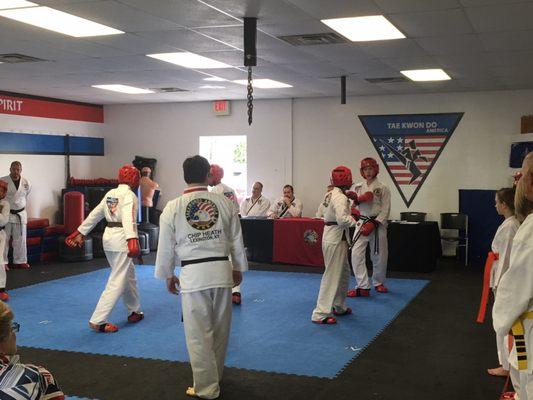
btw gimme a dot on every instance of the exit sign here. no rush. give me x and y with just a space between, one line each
221 107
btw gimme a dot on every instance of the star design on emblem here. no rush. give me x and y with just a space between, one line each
390 155
391 140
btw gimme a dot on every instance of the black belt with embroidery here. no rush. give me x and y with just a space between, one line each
203 260
114 224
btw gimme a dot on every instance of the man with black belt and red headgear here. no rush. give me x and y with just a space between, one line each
201 231
337 220
373 201
18 189
121 244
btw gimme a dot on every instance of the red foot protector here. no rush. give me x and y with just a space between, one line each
37 223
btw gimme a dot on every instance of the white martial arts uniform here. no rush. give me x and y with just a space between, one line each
379 208
4 219
514 298
255 208
118 205
332 294
280 209
501 245
195 227
224 189
16 228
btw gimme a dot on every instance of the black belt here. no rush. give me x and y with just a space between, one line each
330 223
114 224
17 211
2 228
203 260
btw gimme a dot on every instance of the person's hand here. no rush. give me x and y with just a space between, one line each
173 285
287 201
352 196
134 250
237 278
367 196
75 239
273 216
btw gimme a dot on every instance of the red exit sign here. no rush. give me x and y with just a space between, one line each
221 107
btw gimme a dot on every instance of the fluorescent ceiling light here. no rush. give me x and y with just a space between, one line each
364 29
189 60
212 87
7 4
264 83
215 79
426 75
123 89
59 21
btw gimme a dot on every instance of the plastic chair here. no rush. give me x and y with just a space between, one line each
413 216
458 222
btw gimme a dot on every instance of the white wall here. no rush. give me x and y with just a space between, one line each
47 174
327 134
170 133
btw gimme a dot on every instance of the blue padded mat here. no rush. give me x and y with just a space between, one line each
271 330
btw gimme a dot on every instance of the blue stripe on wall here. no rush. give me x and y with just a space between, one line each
24 143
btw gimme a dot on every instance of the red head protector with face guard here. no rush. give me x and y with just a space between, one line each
217 173
341 176
369 162
129 175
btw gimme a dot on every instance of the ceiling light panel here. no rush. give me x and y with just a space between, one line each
123 89
8 4
426 75
59 21
264 83
365 29
189 60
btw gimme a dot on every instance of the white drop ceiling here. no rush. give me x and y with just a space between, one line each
481 44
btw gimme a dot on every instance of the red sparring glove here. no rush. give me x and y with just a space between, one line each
134 250
74 239
367 196
355 213
368 228
352 196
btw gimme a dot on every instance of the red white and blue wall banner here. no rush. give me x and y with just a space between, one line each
34 106
409 145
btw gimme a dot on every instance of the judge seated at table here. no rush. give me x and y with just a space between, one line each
257 205
322 206
287 206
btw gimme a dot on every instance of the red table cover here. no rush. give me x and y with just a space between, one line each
298 241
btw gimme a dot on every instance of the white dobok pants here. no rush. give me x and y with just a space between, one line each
121 282
18 234
207 322
3 275
379 260
335 281
522 383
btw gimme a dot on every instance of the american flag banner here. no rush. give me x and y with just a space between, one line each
409 145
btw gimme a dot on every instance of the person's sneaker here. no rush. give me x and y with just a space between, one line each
104 328
135 317
348 311
4 296
358 293
236 298
381 289
325 321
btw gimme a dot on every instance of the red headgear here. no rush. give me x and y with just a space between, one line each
369 162
341 176
3 185
129 175
217 173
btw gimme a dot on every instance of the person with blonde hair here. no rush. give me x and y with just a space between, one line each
513 308
21 381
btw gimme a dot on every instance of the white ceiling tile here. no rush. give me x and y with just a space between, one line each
432 23
322 9
471 3
186 39
393 48
133 43
302 27
403 63
508 17
507 41
456 44
395 6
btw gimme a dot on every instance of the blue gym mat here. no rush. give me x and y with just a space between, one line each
271 330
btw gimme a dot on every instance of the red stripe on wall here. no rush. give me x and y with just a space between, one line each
57 109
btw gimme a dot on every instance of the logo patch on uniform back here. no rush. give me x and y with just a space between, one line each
201 214
409 145
112 204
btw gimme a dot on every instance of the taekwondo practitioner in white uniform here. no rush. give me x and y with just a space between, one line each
121 243
201 230
337 219
373 200
18 189
513 307
216 174
256 205
287 206
4 219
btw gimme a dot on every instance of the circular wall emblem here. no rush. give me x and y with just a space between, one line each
310 236
201 214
